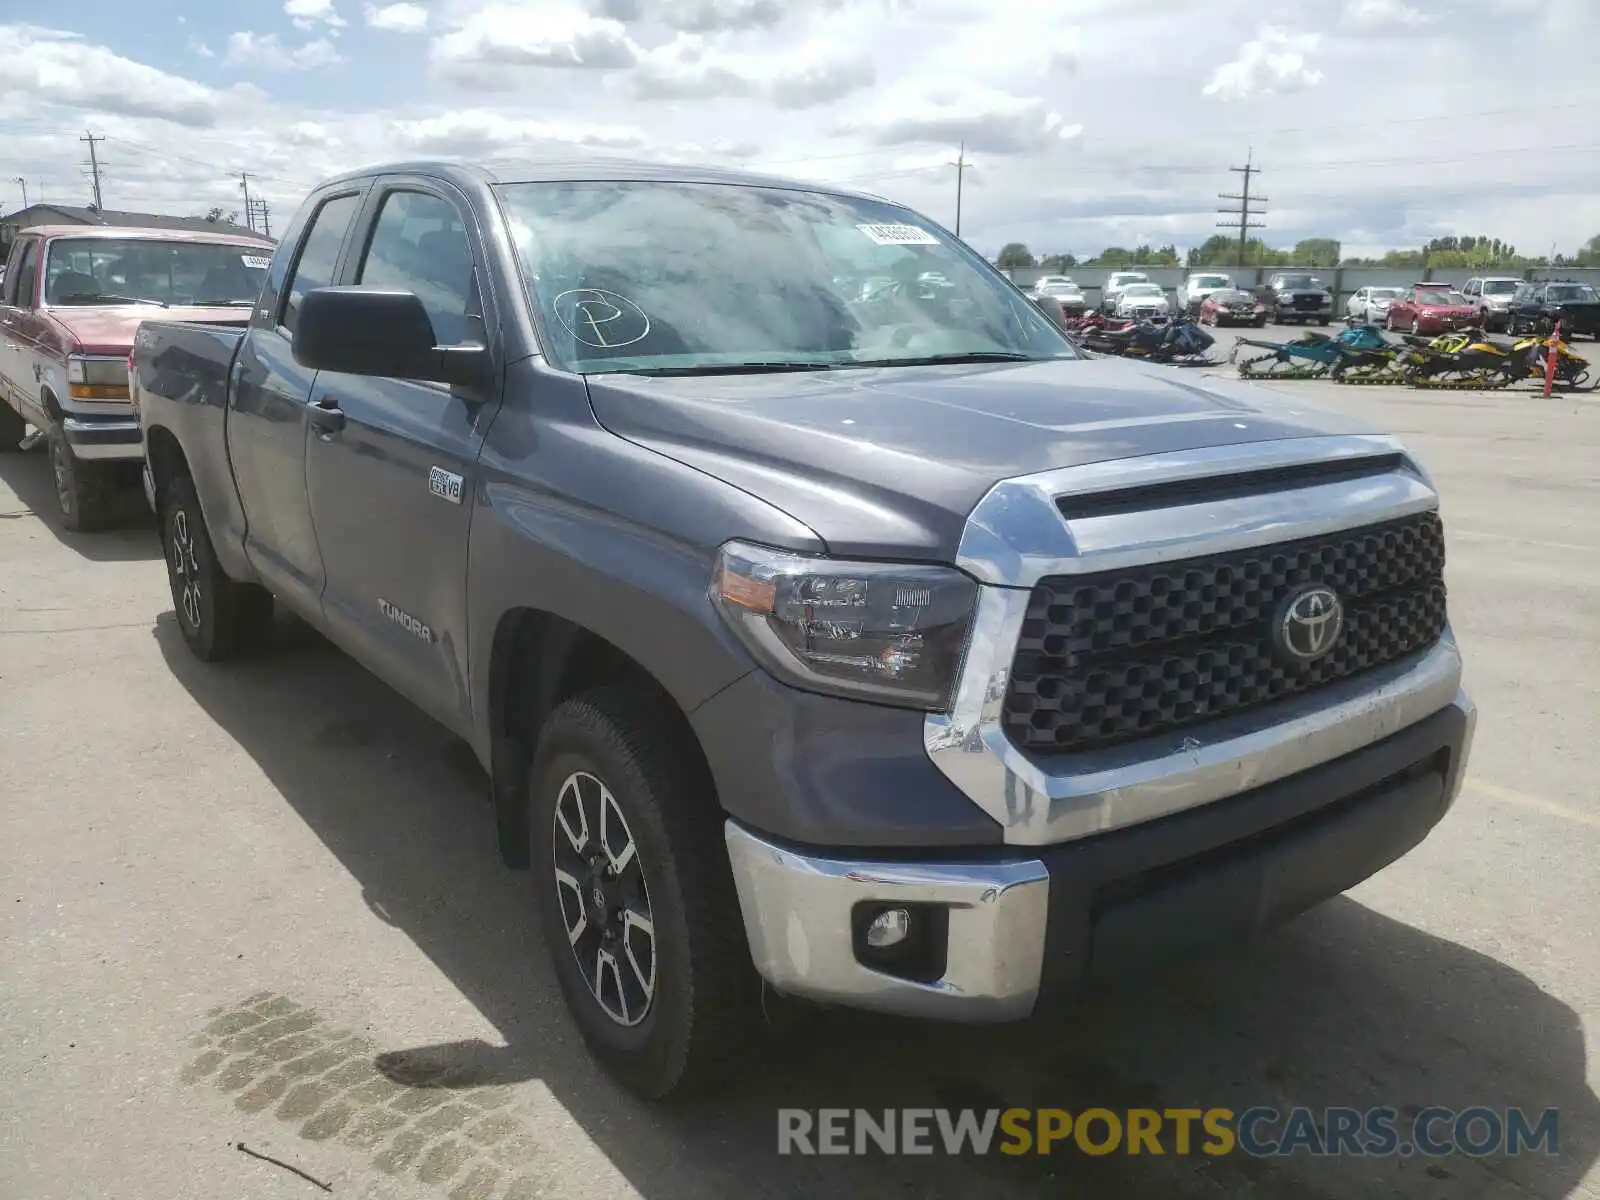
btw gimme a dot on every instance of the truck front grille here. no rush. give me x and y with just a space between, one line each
1307 303
1121 655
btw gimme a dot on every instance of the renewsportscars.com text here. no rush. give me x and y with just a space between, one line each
1259 1132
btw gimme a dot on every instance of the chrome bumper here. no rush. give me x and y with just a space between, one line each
797 915
101 439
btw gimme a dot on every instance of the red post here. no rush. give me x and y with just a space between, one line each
1552 351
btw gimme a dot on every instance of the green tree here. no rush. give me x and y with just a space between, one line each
1013 255
1058 262
1316 252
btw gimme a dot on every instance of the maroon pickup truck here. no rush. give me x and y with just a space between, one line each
72 299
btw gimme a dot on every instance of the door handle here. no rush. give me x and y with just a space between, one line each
327 418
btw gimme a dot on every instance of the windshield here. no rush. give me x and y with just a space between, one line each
1386 293
134 271
1440 297
1213 281
1059 289
1572 293
1234 296
1499 287
1141 289
649 276
1296 281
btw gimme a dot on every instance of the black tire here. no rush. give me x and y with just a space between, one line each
218 616
12 428
1261 322
703 987
84 491
1416 326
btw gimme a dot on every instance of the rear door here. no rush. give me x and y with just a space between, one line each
267 418
392 490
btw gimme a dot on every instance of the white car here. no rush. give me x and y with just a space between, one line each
1061 289
1115 282
1370 305
1141 301
1192 292
1492 297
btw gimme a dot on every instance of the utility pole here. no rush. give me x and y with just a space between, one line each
24 184
961 169
1244 210
94 165
255 208
249 211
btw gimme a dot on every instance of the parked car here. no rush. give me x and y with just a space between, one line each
1492 297
1233 306
1141 301
1430 308
1536 307
1114 284
1193 291
1065 292
1298 297
773 661
1370 305
67 316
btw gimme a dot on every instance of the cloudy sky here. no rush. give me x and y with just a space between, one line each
1378 122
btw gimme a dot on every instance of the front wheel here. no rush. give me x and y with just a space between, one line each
84 491
1416 325
218 616
634 893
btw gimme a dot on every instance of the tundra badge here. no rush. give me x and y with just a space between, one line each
405 620
445 484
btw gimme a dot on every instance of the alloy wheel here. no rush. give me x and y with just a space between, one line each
604 903
185 570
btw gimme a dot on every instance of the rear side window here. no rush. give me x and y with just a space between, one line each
420 245
319 253
22 277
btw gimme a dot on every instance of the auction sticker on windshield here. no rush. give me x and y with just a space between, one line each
899 235
255 261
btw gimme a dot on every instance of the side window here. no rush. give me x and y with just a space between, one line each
319 253
420 245
23 275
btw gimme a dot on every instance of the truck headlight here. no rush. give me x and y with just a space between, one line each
97 378
895 633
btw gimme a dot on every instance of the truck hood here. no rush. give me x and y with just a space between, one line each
888 463
109 329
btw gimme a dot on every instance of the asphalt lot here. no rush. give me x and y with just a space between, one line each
194 855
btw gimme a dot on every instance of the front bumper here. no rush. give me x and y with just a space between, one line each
1044 925
102 439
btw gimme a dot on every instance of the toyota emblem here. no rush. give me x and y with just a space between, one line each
1308 624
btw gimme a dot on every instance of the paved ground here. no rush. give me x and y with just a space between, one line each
197 862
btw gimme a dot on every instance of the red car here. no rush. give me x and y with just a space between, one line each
1233 306
1431 308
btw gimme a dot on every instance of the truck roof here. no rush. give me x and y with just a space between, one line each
498 171
146 234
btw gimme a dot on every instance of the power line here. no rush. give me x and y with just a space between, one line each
1245 223
94 166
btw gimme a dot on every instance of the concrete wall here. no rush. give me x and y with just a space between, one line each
1342 280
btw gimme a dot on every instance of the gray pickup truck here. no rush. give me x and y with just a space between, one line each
867 641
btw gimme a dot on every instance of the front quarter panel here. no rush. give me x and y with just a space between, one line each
618 539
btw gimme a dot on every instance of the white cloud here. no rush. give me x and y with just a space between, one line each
691 68
949 111
710 16
1274 62
54 67
196 46
308 14
468 133
397 18
250 49
1380 14
511 35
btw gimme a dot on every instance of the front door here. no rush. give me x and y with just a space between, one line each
392 489
267 421
21 292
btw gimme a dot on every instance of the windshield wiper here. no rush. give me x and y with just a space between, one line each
742 368
104 297
965 356
219 303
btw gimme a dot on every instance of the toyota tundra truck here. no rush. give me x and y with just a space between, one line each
867 644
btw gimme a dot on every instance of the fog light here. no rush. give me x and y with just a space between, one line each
889 928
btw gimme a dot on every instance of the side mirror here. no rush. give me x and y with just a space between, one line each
373 331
